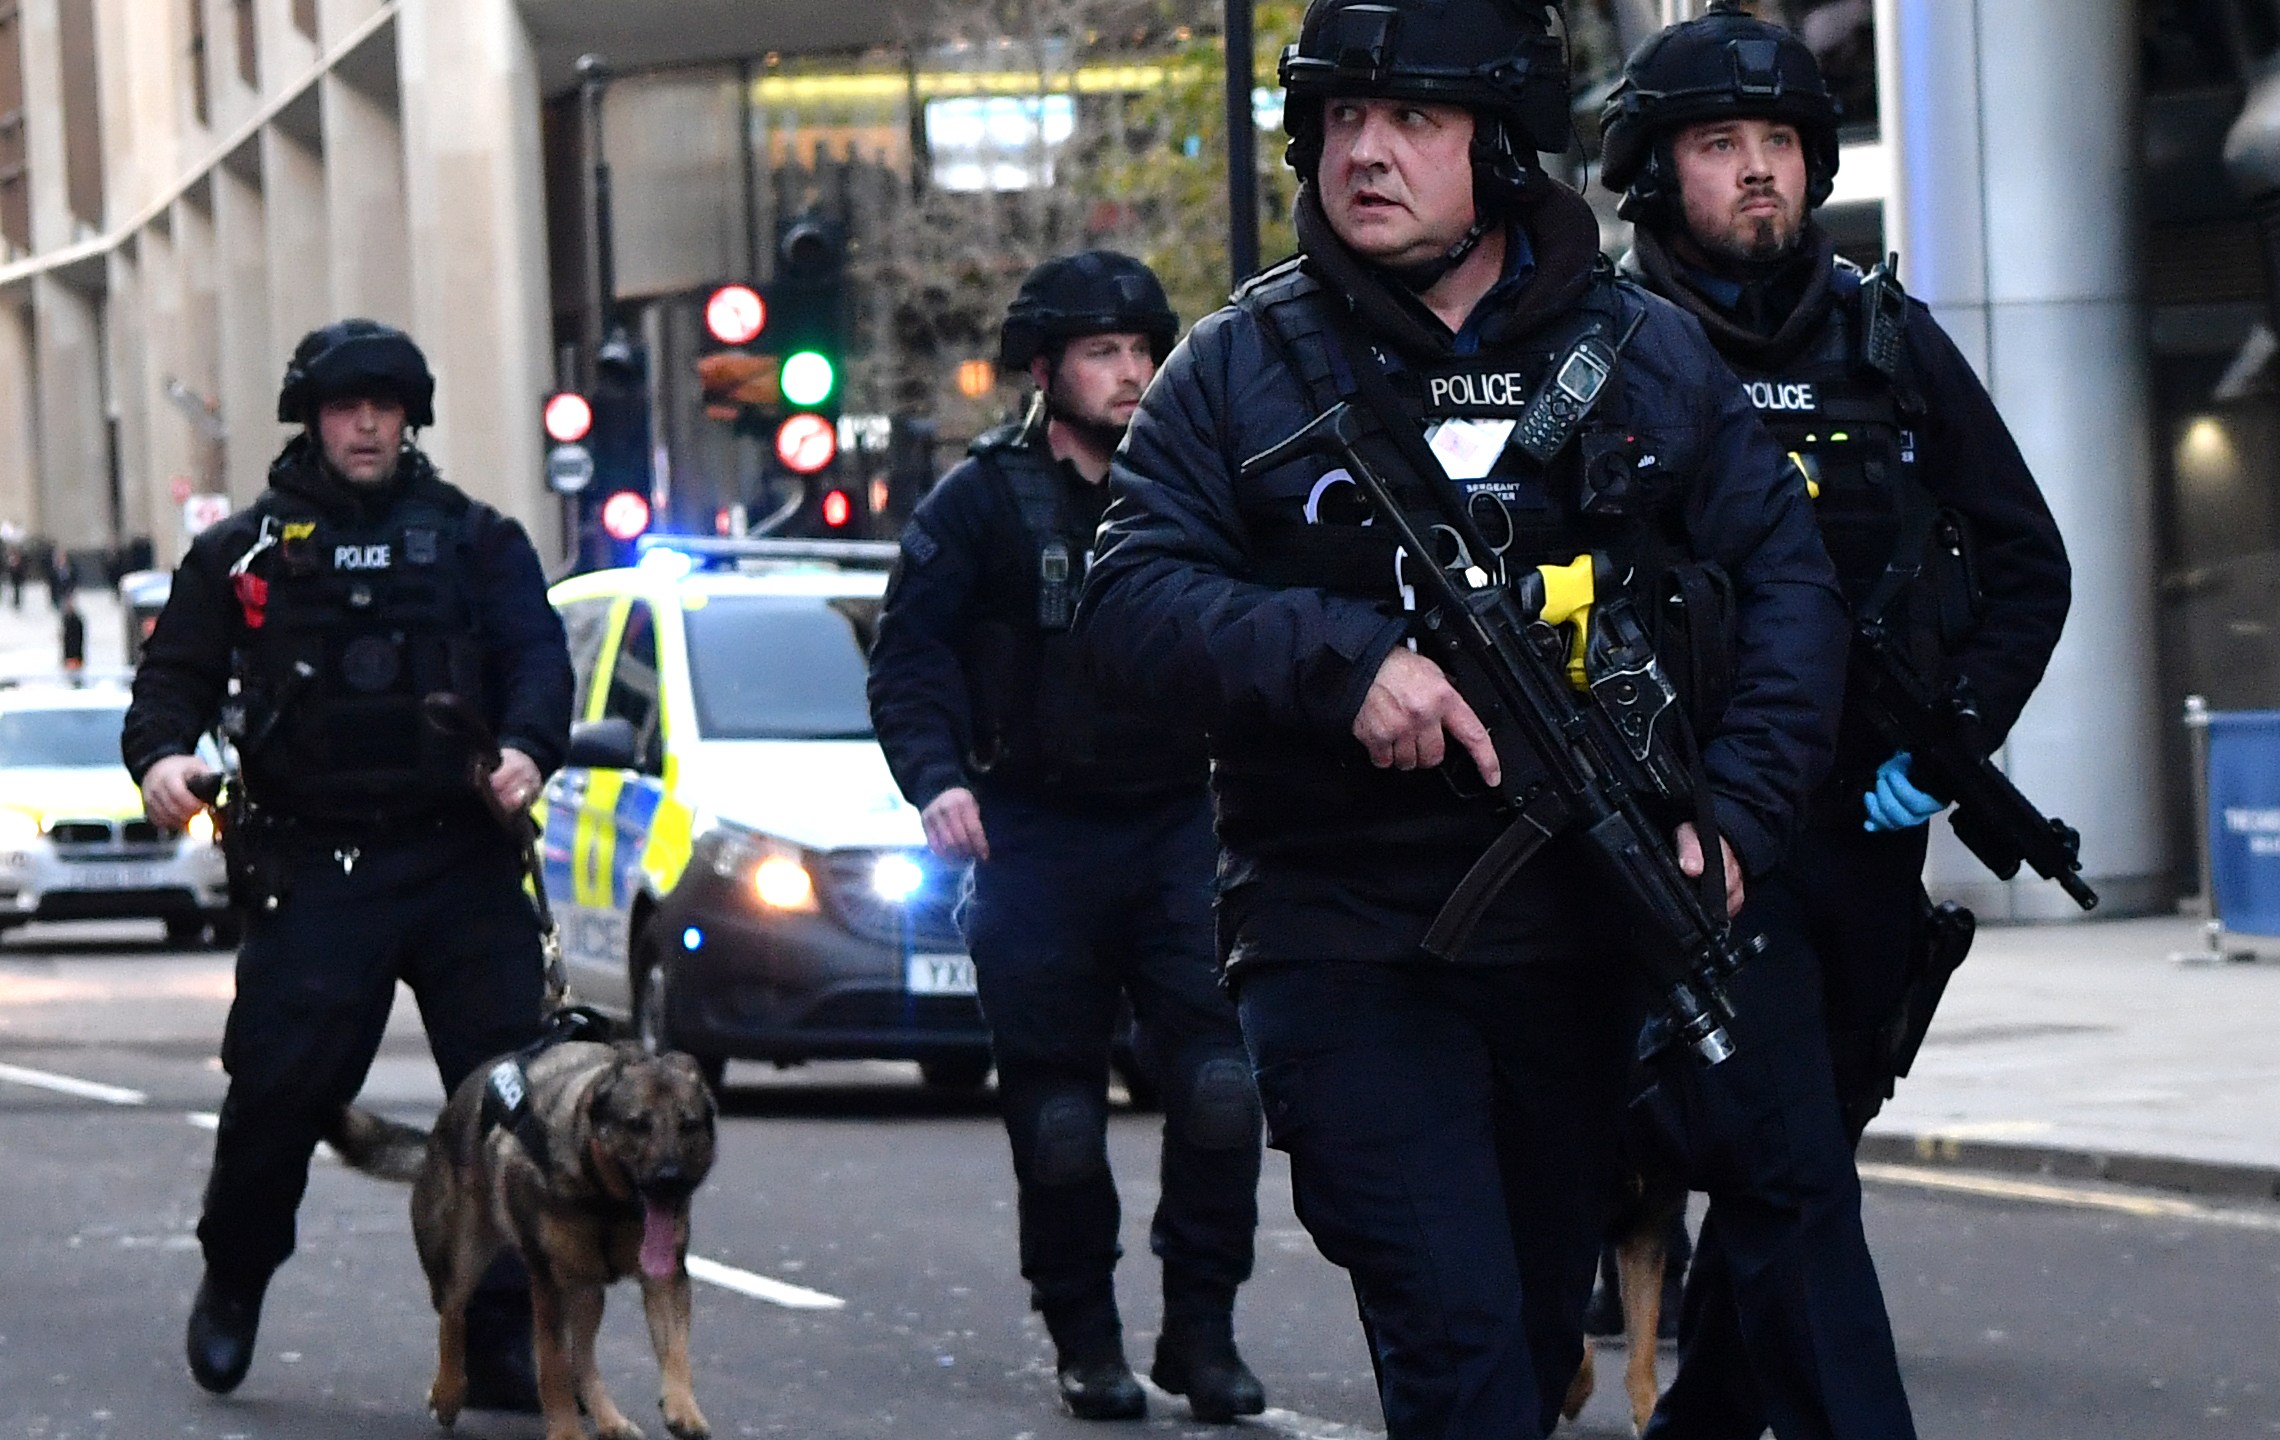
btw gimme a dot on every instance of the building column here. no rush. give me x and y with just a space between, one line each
174 448
2013 204
478 244
371 259
19 422
300 256
142 499
74 459
250 360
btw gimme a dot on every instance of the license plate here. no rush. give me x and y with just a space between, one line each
110 877
940 974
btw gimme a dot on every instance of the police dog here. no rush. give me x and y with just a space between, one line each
582 1158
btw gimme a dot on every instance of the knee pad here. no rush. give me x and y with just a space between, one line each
1222 1110
1069 1140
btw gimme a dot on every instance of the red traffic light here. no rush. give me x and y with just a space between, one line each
837 508
625 515
569 416
806 443
735 314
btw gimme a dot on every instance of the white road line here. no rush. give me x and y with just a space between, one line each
761 1287
70 1085
1276 1421
204 1119
2043 1192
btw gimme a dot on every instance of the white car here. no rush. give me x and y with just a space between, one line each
74 843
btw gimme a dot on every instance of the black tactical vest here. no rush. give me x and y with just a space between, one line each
1603 490
1039 722
383 612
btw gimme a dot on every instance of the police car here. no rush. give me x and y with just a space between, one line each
726 853
74 843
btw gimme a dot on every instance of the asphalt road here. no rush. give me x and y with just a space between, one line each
861 1234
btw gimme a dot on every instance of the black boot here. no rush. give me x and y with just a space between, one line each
502 1373
1195 1357
1603 1317
1095 1381
223 1320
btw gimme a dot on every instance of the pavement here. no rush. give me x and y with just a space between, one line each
2079 1050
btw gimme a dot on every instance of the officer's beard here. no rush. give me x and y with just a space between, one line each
1099 432
1755 246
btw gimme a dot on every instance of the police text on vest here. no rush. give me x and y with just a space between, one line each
360 557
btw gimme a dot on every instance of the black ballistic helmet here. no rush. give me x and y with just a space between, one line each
1094 292
1497 58
1724 64
356 357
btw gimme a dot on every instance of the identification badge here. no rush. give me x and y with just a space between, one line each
1468 449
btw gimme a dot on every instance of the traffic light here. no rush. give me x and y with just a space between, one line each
807 329
614 507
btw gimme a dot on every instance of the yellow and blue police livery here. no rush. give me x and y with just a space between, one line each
732 866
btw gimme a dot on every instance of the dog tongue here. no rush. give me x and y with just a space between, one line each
659 1242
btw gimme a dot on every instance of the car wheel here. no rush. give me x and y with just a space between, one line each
651 1004
185 929
963 1071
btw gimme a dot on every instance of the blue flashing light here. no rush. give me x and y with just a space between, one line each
692 939
672 564
896 877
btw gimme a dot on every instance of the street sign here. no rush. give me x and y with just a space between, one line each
569 469
201 513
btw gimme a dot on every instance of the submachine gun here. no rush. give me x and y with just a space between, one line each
251 855
1944 737
1602 756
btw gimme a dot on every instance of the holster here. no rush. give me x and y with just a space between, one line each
255 857
1946 934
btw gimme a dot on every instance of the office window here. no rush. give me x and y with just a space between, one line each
15 181
199 105
248 44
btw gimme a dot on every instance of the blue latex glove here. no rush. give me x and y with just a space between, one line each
1895 804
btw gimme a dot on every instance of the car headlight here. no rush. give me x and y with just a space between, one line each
18 828
895 877
200 830
783 883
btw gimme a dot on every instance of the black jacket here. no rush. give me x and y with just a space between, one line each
187 664
1325 856
1966 459
960 668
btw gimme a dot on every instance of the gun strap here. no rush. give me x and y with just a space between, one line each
1906 564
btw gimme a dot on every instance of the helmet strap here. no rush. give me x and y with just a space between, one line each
1425 274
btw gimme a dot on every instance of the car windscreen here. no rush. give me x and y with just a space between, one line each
781 667
69 737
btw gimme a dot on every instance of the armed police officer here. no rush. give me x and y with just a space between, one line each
1450 1113
1722 140
1089 828
313 624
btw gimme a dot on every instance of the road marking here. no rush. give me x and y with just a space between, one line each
1276 1421
761 1287
70 1085
204 1119
2043 1192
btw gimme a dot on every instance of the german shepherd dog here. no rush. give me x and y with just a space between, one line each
1640 1233
582 1158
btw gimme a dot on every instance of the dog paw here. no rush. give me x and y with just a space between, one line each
444 1402
622 1429
685 1421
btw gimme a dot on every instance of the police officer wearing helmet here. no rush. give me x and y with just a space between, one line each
1089 830
311 625
1450 1124
1722 139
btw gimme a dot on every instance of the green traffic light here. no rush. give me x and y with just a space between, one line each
807 378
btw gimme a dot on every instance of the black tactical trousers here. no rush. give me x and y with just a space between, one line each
1452 1133
1072 910
315 981
1783 1322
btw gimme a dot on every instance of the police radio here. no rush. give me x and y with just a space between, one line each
1884 318
1056 597
1561 403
